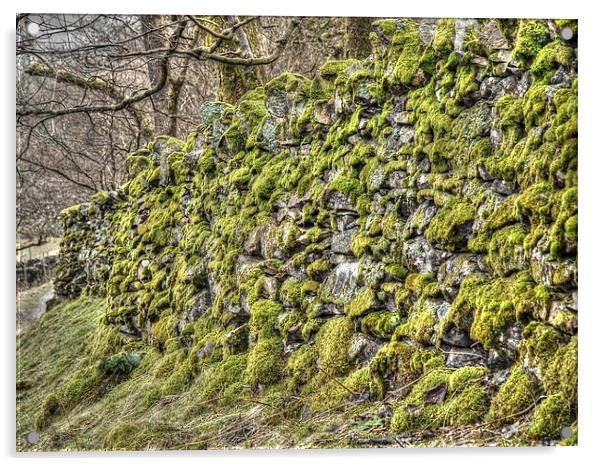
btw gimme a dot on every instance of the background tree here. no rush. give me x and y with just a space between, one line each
92 88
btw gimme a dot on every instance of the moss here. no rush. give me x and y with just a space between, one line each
506 253
465 376
487 307
550 416
406 47
382 324
317 269
301 366
560 373
224 378
443 42
392 366
264 317
265 364
550 56
420 325
348 185
333 69
519 393
433 404
448 226
465 81
467 407
332 343
531 37
361 303
510 110
291 292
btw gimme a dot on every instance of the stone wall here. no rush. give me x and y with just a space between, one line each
411 217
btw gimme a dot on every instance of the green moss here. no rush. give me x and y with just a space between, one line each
519 393
264 317
550 416
448 226
301 366
332 343
420 325
531 37
443 43
224 379
550 56
361 303
560 373
382 324
333 69
291 292
432 403
505 250
465 81
317 269
265 364
406 46
392 366
467 407
487 307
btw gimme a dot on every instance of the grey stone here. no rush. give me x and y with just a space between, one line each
456 337
420 256
464 357
363 348
278 104
454 270
252 245
341 241
395 179
503 187
341 284
327 309
338 201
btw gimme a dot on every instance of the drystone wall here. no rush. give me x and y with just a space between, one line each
404 225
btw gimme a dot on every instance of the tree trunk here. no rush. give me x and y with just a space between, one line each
235 80
357 37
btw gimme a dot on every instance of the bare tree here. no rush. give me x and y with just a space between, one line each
92 88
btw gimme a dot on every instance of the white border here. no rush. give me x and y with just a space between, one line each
590 25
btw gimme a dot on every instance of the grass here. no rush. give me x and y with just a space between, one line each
146 411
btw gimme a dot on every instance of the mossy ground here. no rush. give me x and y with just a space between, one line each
209 409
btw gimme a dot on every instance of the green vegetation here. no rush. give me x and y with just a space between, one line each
218 305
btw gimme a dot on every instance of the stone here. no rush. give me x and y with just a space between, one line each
454 270
327 310
420 219
363 348
252 245
341 284
237 340
338 201
205 351
341 241
395 179
279 104
462 357
456 337
420 256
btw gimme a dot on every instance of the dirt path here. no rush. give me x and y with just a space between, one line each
31 304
